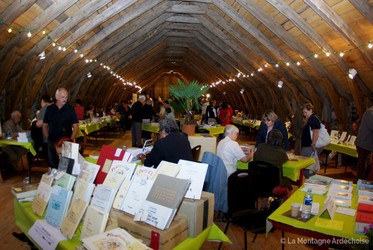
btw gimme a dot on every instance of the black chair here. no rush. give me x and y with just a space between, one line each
243 209
267 175
196 151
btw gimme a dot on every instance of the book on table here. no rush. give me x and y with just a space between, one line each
163 201
138 190
58 205
89 171
94 222
196 173
107 155
116 238
83 190
25 191
66 181
129 169
66 164
118 172
73 217
103 197
41 199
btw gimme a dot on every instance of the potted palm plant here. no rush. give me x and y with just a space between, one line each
188 94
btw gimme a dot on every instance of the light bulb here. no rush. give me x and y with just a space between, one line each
10 30
29 34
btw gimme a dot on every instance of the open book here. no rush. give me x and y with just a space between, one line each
163 201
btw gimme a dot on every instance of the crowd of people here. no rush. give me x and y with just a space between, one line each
57 121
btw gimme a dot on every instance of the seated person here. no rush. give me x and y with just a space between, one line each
11 128
170 115
273 153
229 150
171 146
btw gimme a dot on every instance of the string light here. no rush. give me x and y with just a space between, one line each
10 29
315 54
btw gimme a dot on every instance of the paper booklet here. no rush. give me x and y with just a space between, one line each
66 181
129 170
58 205
89 171
66 165
94 222
163 201
73 217
167 168
195 172
107 155
71 150
117 173
41 198
45 235
83 190
138 190
117 237
103 197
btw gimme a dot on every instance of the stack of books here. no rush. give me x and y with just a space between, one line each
24 136
25 192
364 213
317 186
341 192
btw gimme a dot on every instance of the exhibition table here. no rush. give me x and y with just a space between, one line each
25 218
343 148
27 145
317 231
293 169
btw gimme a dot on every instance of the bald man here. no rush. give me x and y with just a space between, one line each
60 121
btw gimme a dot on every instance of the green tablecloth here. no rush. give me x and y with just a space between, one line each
290 169
252 124
90 127
25 218
349 221
342 148
214 131
154 128
27 145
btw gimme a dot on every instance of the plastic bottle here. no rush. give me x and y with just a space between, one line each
307 204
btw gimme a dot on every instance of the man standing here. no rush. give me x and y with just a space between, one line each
60 121
137 116
11 128
364 143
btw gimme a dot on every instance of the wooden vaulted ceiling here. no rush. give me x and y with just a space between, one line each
213 41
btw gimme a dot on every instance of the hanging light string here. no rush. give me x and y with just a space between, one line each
54 43
317 54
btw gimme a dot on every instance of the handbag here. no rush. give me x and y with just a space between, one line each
316 166
324 137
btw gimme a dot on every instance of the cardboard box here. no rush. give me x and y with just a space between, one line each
154 237
199 213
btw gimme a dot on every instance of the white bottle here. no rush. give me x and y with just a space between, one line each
307 204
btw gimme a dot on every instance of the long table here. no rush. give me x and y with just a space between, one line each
10 142
25 218
343 148
309 229
293 169
27 145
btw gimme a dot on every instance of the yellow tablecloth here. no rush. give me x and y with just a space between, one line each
290 169
90 127
342 148
27 145
154 128
25 218
214 131
252 124
349 221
